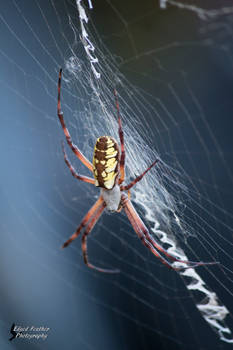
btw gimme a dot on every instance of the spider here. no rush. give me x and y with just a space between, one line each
108 169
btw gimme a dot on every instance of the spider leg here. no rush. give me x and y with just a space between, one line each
150 242
72 170
138 178
85 220
141 236
121 136
89 228
74 148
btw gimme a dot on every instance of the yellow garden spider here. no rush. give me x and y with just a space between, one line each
108 169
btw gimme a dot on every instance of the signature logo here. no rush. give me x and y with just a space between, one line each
13 332
28 332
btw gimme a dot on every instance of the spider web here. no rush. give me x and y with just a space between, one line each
171 66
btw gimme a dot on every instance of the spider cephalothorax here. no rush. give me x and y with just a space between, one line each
109 173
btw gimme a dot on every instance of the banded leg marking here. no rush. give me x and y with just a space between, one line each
121 136
85 220
74 148
150 242
138 178
89 228
72 170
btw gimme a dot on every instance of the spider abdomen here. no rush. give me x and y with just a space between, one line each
105 162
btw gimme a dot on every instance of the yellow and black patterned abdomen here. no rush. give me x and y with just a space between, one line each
105 162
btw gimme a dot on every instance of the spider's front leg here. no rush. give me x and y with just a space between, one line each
89 228
135 222
85 220
88 223
150 242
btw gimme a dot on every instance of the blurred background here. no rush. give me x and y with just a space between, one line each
178 61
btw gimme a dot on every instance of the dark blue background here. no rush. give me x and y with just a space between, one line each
41 204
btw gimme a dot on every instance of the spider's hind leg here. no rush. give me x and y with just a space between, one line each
73 147
72 170
121 136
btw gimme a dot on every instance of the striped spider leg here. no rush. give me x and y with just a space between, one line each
88 223
149 241
74 148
